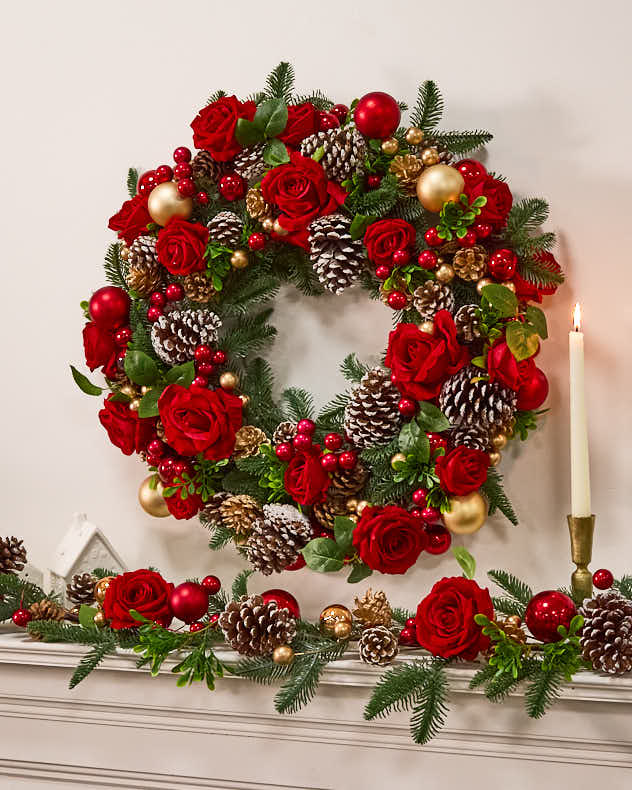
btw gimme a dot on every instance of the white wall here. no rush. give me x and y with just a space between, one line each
90 89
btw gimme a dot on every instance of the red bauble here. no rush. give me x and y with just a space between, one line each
204 368
411 623
377 115
340 111
438 539
469 240
194 627
373 181
219 358
284 600
397 300
427 259
182 170
437 442
174 292
327 120
157 299
147 182
417 512
189 602
200 381
329 461
482 229
153 314
400 257
298 563
432 237
181 467
407 407
284 451
533 392
333 441
123 336
302 441
156 448
21 617
182 154
306 426
348 459
431 515
256 241
186 187
201 197
383 272
502 264
212 620
419 496
203 353
603 579
211 584
546 611
408 636
109 307
164 173
165 470
232 186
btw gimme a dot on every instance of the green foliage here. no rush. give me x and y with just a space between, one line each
317 98
465 560
141 337
220 537
266 471
280 82
431 705
428 109
257 383
522 339
343 533
200 665
261 669
352 369
456 218
524 219
507 655
91 660
141 368
462 142
401 615
331 416
542 692
323 555
496 496
205 481
14 590
101 573
624 586
252 290
526 216
297 404
514 587
508 606
359 572
84 383
376 202
501 299
115 267
538 272
526 421
132 181
564 656
250 335
240 584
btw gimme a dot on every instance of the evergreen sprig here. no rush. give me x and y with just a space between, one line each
297 404
220 537
261 669
624 586
496 496
240 584
132 181
17 591
91 660
543 691
115 267
250 335
280 82
352 369
462 142
428 110
516 589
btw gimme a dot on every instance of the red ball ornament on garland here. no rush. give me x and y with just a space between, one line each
219 358
201 197
186 187
373 180
147 182
182 154
232 186
502 264
200 381
482 229
397 300
284 451
327 120
348 459
340 111
21 617
204 368
283 599
188 602
182 170
431 515
256 241
194 627
333 441
174 292
407 407
432 237
377 115
157 299
400 257
203 353
408 636
533 392
109 307
329 462
302 441
472 171
123 336
211 584
419 496
164 173
469 240
427 259
153 314
546 611
439 539
306 426
603 579
383 272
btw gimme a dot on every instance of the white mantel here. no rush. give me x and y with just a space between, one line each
122 729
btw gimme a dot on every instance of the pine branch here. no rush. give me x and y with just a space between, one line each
539 272
331 416
429 107
221 537
280 82
317 98
526 216
91 661
496 496
239 482
378 201
431 706
508 606
52 631
483 675
297 404
101 573
18 589
261 670
411 210
542 692
397 688
115 268
462 142
300 687
512 585
401 615
352 369
242 300
249 336
624 586
215 96
141 337
132 181
258 382
240 584
217 603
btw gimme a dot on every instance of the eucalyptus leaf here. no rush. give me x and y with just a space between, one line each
431 418
536 317
522 340
323 555
84 383
501 298
140 367
359 224
275 153
181 374
358 573
465 560
409 437
149 403
343 532
271 117
248 133
86 616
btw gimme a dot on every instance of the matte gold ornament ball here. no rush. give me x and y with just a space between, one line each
467 514
228 380
430 156
482 283
336 613
101 587
151 499
239 259
414 135
390 146
165 202
445 273
437 185
283 654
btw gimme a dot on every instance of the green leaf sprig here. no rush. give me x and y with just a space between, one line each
456 217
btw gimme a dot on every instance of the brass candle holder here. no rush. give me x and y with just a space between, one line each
581 529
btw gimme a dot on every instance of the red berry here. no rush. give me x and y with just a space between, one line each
165 469
21 617
427 259
373 180
147 182
200 381
156 448
340 111
201 198
400 257
437 441
397 300
407 407
123 336
219 358
181 467
284 451
174 292
256 241
203 353
182 154
417 512
204 368
164 173
194 627
603 579
333 441
157 299
348 459
482 229
153 460
186 187
302 441
327 120
232 186
383 272
419 496
432 237
211 584
411 623
182 170
306 426
298 563
329 461
469 240
502 264
431 515
153 314
408 637
439 539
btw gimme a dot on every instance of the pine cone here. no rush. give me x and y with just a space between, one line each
256 206
249 162
144 274
481 403
248 440
325 512
205 168
212 509
12 555
225 228
240 512
473 436
378 645
176 336
371 415
606 637
431 297
198 287
466 322
255 628
47 610
512 626
373 609
337 259
470 263
276 539
348 482
284 432
81 589
344 152
407 169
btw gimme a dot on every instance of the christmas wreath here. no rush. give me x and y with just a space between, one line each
295 189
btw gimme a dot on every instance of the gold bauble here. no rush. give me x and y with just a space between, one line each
165 202
351 504
336 613
245 401
397 459
482 283
99 620
228 380
362 504
467 513
437 185
390 146
100 588
151 499
283 654
267 224
144 389
494 458
430 156
342 630
427 327
499 441
129 390
134 405
414 135
123 251
514 620
279 229
445 273
239 259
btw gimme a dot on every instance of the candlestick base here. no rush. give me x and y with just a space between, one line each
581 530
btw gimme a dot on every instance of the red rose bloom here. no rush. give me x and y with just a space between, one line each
503 367
499 200
462 470
144 591
445 619
184 508
421 362
302 120
305 479
126 430
214 126
528 291
132 219
383 237
389 539
301 192
181 245
198 420
100 349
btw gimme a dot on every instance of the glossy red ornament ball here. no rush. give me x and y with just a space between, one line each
123 336
419 496
411 623
533 392
203 353
186 187
397 300
298 563
201 197
153 314
232 186
471 170
182 154
373 180
417 512
427 259
482 229
333 441
157 299
438 540
432 237
546 611
407 407
147 182
174 292
188 602
109 307
502 264
603 579
211 584
469 240
182 170
164 173
204 368
302 441
329 461
377 115
194 627
340 111
165 470
21 617
437 442
408 636
400 257
327 120
219 358
181 467
348 459
256 241
284 600
306 426
431 515
200 381
213 620
156 448
383 272
284 451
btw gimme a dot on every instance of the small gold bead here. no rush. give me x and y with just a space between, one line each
245 401
362 504
414 135
390 146
351 504
482 283
430 156
352 517
428 327
239 259
134 405
499 441
267 224
129 390
514 620
283 654
494 458
144 389
228 380
397 459
99 620
279 229
510 285
342 629
445 273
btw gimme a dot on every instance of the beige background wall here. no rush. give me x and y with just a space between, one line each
90 89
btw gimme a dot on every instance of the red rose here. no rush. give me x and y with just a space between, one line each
389 539
214 126
100 349
383 237
502 366
144 591
181 245
462 470
445 619
421 362
132 219
126 430
528 291
305 479
302 120
198 420
499 200
301 191
184 508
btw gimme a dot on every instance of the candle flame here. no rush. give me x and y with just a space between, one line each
577 318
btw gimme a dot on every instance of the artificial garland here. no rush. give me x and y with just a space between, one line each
296 189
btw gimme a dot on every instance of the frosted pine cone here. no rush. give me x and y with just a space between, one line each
284 432
337 259
176 336
431 297
249 162
225 228
255 628
144 274
466 322
481 403
276 539
344 151
473 436
606 637
371 415
80 589
378 645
